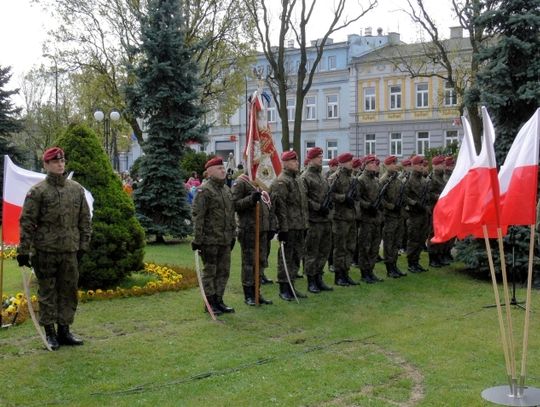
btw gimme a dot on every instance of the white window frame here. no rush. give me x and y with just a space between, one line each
396 144
332 63
369 99
332 107
395 97
422 142
291 108
331 149
310 109
271 114
450 96
422 95
370 143
454 138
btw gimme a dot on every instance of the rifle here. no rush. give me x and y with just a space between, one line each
327 201
399 201
352 192
424 195
383 189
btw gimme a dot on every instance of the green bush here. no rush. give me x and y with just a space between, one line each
193 161
117 245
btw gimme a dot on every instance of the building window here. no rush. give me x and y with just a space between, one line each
422 142
396 143
369 99
332 107
271 114
395 97
331 149
369 145
310 144
291 108
331 63
310 108
422 97
450 137
450 97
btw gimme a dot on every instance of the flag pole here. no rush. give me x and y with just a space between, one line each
527 313
257 248
2 277
498 304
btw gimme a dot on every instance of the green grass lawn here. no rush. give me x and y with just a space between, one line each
422 340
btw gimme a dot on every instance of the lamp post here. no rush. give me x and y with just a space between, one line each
110 142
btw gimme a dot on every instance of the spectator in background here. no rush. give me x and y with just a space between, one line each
193 181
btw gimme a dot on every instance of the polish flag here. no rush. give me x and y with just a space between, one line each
518 176
481 204
448 210
263 163
17 183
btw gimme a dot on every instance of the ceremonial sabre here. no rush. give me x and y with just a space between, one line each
282 245
26 285
199 278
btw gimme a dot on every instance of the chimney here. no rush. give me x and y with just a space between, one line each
329 41
393 38
290 43
456 32
367 32
379 32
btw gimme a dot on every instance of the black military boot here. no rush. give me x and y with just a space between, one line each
50 335
249 295
212 302
434 260
312 285
420 268
339 279
390 272
285 292
349 279
67 338
445 259
366 278
414 267
264 279
398 271
320 283
263 300
222 306
374 277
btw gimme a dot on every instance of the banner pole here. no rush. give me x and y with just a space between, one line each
1 277
527 313
257 256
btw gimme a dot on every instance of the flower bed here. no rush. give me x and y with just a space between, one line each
168 278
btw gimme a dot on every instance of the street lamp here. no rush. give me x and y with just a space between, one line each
110 148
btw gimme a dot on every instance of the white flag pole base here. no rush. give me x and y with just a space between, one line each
512 396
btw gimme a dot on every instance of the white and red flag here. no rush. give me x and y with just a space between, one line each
518 176
262 158
17 183
449 208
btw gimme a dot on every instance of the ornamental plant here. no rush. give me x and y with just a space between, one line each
117 243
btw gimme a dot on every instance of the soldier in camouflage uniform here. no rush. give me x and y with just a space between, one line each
393 213
332 168
357 169
246 196
344 220
369 232
55 228
291 210
320 226
436 186
416 194
214 233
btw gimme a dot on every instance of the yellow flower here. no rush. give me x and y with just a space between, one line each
34 298
11 309
90 293
19 295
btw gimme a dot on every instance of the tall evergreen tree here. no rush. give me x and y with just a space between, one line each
509 83
165 95
9 124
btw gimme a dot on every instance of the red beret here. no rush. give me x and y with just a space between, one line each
357 162
212 162
288 155
391 159
417 160
406 162
314 153
333 162
344 158
53 153
371 159
449 160
438 159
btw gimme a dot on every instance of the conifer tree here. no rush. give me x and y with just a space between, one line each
165 94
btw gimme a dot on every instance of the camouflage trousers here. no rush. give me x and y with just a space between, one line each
58 276
344 239
369 242
217 266
392 235
294 251
318 246
246 237
417 232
